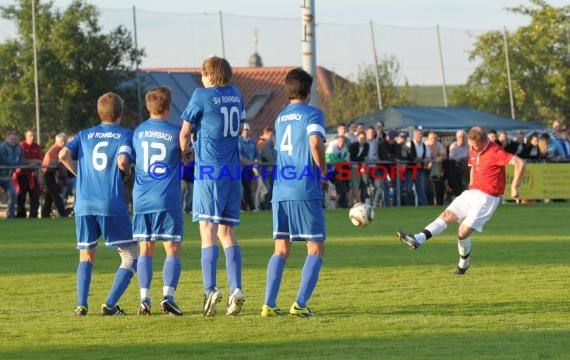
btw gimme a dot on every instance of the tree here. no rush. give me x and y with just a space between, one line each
539 62
76 64
356 98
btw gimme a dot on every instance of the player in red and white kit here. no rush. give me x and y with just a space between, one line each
475 206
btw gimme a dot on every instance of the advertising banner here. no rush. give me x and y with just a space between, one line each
542 181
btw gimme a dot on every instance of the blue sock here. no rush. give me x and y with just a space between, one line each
309 279
83 281
209 264
144 266
233 267
171 274
122 280
274 275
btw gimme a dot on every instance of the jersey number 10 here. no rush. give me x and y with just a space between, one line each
231 120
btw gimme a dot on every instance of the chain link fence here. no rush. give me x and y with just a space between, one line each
184 40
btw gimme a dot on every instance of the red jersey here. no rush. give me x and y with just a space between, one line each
488 169
33 151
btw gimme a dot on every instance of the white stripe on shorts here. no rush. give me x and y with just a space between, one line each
83 244
213 217
306 236
155 237
118 242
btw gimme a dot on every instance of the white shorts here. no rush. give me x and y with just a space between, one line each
474 208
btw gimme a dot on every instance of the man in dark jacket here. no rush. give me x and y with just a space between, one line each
358 151
10 155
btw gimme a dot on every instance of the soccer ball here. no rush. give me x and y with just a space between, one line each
361 214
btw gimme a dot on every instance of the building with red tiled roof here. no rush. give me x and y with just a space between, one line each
261 87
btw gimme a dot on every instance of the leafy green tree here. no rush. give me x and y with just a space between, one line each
359 97
539 62
76 64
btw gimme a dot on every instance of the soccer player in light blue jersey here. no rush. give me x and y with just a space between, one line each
157 202
297 203
102 152
215 113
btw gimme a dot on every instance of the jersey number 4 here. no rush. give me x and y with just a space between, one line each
286 145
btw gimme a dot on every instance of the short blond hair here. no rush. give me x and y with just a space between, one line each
218 69
158 100
110 107
477 134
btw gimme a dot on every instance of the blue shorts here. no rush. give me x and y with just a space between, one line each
299 220
217 201
116 230
159 226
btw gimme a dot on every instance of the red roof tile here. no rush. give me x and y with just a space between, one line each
256 80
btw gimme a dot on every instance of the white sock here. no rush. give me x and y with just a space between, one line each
145 294
464 248
168 291
420 237
435 228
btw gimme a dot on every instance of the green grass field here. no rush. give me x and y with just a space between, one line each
375 299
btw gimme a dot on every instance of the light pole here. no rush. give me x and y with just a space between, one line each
36 86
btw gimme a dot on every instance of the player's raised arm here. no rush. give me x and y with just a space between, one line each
520 166
65 158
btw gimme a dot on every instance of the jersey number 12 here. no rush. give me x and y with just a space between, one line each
155 157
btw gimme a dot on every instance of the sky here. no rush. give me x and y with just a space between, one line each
180 33
461 14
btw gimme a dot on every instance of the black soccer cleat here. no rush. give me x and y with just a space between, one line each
80 310
144 309
168 307
112 311
408 239
460 271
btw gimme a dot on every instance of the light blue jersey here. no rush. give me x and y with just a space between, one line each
215 114
99 187
297 176
156 148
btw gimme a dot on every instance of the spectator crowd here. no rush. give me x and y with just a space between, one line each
441 166
34 183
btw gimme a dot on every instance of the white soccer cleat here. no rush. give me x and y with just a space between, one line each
210 301
235 302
